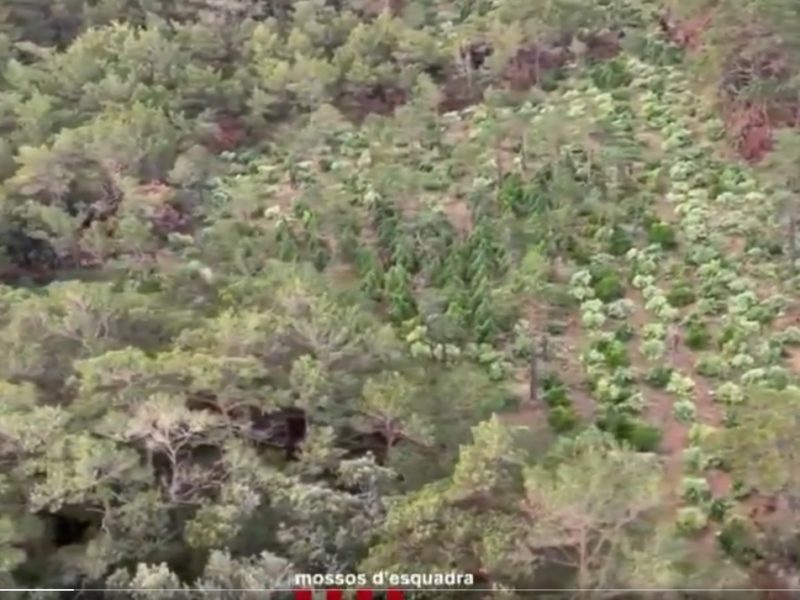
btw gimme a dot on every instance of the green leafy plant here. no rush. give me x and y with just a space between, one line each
662 234
681 295
563 419
691 520
659 376
697 335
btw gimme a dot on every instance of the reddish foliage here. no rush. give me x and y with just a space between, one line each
751 132
378 99
229 133
167 219
770 585
154 188
687 33
13 274
457 94
527 66
603 46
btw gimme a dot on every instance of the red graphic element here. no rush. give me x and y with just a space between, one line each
340 595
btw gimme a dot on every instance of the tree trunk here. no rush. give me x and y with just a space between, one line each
792 240
533 383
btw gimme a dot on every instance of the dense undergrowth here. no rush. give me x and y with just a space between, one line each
313 286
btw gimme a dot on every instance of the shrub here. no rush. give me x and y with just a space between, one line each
562 419
791 336
737 540
719 508
644 437
641 437
659 376
695 460
662 234
711 365
729 333
610 75
615 352
697 335
729 393
624 333
778 377
609 288
556 396
556 328
619 242
685 411
681 295
691 520
550 381
695 489
578 251
653 349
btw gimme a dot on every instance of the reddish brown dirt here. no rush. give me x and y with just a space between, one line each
658 412
750 132
460 215
529 414
565 351
794 359
687 33
675 437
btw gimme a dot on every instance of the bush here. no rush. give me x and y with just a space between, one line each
579 251
556 396
681 295
790 336
641 436
624 333
737 541
691 519
778 378
695 489
550 381
659 376
556 328
610 75
684 411
697 335
609 288
619 242
615 353
644 437
562 419
719 508
711 365
662 234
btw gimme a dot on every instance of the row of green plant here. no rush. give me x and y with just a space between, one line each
713 203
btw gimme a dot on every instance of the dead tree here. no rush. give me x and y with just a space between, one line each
792 239
543 353
533 379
